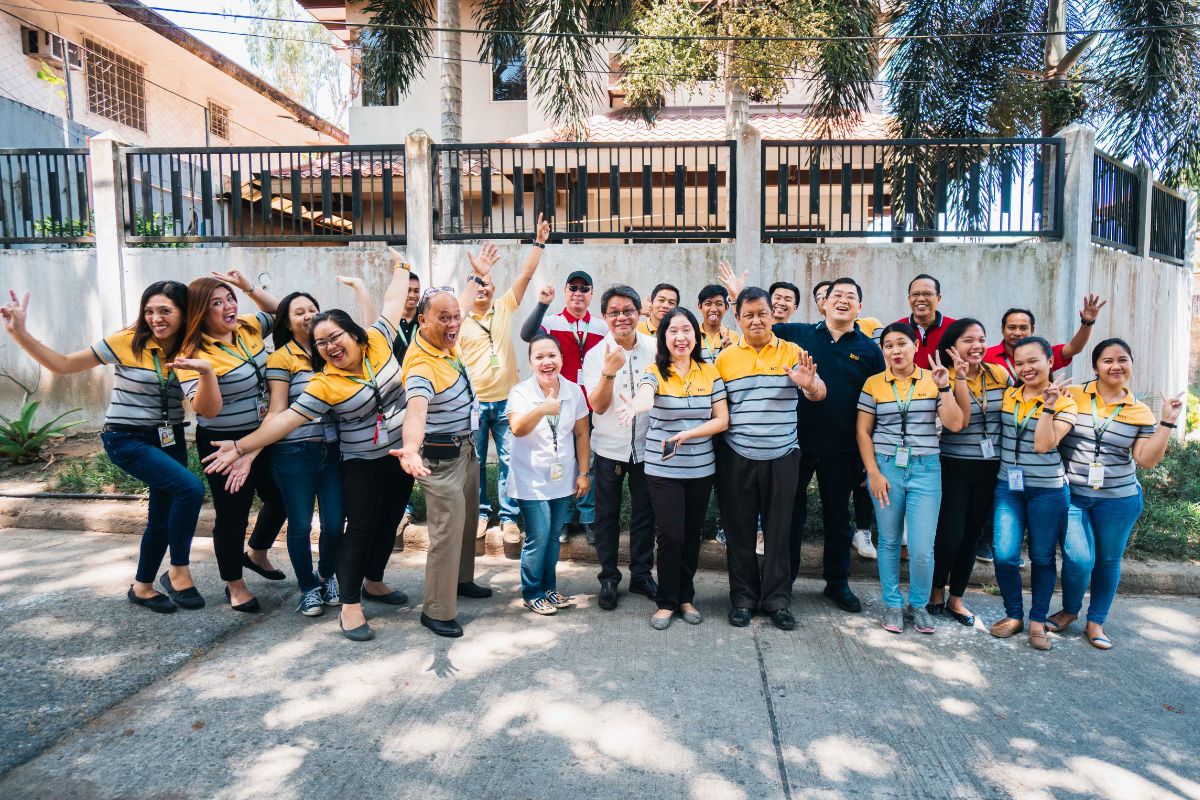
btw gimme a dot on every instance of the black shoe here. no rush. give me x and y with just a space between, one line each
983 552
188 598
645 587
962 619
739 617
843 598
589 532
249 607
608 595
392 598
936 609
450 629
269 574
473 589
783 619
159 604
362 633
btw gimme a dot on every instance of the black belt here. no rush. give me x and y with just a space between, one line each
144 429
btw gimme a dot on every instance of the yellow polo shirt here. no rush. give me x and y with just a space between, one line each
487 335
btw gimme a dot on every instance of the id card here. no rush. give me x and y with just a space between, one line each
166 436
263 406
556 472
1016 480
1096 475
902 456
988 448
494 361
381 431
475 414
330 434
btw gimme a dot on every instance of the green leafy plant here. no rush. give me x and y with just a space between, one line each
50 227
21 439
1169 528
1191 420
155 224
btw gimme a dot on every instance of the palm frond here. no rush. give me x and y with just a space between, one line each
392 57
846 69
496 17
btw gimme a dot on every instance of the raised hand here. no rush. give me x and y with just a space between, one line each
411 462
614 359
1053 391
223 459
1091 307
543 230
1172 407
546 294
13 312
961 367
352 282
730 281
194 364
939 372
487 258
551 406
804 374
236 278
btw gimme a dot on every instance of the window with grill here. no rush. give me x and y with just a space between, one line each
116 86
218 120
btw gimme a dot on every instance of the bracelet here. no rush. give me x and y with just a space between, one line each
540 244
237 449
587 474
943 388
1088 323
609 377
250 290
809 392
1170 425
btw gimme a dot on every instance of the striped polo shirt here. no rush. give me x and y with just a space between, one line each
1078 448
442 380
575 338
987 396
870 327
878 398
354 405
137 392
648 327
762 398
293 366
241 370
1042 470
680 404
710 346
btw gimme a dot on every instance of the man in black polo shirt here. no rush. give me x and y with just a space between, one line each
846 358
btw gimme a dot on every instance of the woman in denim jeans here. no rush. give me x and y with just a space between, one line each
546 472
1031 490
898 411
1114 435
143 430
306 464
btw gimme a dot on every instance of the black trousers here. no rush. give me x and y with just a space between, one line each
375 492
838 475
608 476
749 490
680 506
968 494
864 512
233 508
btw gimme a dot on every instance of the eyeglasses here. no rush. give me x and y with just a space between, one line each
922 295
578 288
628 312
321 344
432 290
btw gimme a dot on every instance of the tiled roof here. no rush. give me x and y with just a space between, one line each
344 165
705 124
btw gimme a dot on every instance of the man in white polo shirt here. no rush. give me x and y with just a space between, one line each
611 373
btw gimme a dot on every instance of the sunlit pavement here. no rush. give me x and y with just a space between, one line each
102 700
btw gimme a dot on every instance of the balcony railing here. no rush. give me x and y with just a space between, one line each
1168 224
629 191
45 197
1116 188
256 195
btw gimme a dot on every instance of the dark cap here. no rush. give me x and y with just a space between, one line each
580 275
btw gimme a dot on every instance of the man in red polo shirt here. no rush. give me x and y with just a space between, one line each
575 329
1017 323
924 297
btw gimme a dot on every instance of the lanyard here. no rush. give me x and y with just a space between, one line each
552 421
902 406
163 382
1021 425
462 370
982 399
1100 430
708 342
580 337
402 336
487 330
246 359
370 384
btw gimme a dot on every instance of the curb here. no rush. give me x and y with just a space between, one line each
128 518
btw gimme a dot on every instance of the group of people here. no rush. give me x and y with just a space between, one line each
946 440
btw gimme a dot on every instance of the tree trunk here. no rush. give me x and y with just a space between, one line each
737 102
450 52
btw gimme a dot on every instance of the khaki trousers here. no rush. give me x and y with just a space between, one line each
451 506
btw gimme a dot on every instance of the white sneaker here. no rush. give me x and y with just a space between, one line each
862 543
760 546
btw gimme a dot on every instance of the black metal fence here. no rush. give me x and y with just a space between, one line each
45 197
628 191
254 195
1116 189
911 188
1168 224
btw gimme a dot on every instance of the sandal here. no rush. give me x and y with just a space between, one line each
1054 626
1039 640
1099 642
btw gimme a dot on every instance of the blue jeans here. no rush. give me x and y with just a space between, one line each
915 497
539 555
1102 525
585 506
1044 513
175 495
308 473
493 421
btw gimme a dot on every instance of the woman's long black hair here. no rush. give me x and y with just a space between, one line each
950 338
281 332
343 321
662 356
177 293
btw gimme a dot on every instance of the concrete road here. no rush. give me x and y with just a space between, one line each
586 704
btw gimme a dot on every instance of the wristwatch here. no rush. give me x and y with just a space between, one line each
476 278
943 388
1088 322
540 244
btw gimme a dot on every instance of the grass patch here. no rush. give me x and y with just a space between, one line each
1169 528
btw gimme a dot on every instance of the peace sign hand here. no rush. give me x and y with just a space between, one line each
543 230
1172 407
1091 307
14 312
731 281
939 372
488 257
1054 391
961 367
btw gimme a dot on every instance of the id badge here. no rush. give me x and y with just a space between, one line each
475 414
381 431
494 361
1096 475
988 448
263 406
556 472
1016 480
902 456
166 436
331 434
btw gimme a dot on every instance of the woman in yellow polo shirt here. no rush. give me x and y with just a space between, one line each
143 430
898 441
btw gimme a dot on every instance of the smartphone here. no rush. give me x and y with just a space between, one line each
669 449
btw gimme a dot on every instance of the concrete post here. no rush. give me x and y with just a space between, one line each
109 221
418 203
1190 232
747 248
1077 225
1145 193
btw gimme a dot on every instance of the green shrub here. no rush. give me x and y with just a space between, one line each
21 440
1191 420
1170 526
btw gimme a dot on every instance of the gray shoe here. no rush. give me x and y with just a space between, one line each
692 617
893 620
661 623
921 619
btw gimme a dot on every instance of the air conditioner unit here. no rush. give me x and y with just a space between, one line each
49 47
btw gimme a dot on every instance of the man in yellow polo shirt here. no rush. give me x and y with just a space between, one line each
486 340
663 298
